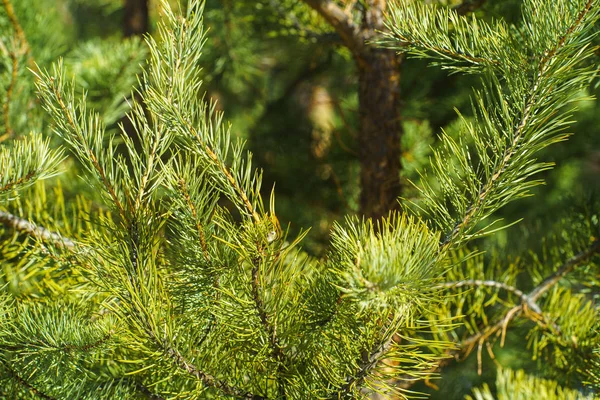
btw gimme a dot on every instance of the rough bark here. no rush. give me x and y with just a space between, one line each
380 131
136 17
379 82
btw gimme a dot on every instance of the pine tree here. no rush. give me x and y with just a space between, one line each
171 277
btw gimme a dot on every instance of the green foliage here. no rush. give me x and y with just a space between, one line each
517 385
540 75
177 280
28 160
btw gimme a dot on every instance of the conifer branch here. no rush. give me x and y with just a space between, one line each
342 23
222 167
199 228
23 382
7 187
50 90
364 368
269 327
564 270
206 379
466 346
24 226
404 33
490 185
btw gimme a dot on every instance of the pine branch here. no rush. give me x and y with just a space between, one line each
466 346
207 380
445 33
342 23
364 368
24 226
564 270
23 382
69 115
222 167
528 109
269 327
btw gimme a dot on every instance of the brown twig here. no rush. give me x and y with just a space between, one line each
269 327
14 21
342 23
24 383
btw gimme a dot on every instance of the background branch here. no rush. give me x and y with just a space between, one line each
344 25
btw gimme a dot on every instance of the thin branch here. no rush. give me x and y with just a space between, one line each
21 381
14 21
342 23
206 379
24 226
495 284
466 346
565 269
365 366
269 327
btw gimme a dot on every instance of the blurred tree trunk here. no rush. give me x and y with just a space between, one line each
380 131
136 18
379 90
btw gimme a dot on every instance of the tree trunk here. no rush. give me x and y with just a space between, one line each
380 131
379 83
136 17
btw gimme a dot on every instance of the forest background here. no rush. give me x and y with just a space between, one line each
290 87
